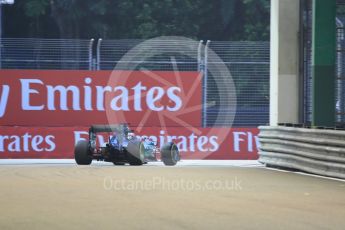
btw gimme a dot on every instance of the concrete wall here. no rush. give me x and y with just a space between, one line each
284 69
318 151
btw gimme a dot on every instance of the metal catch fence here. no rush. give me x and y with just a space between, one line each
339 83
165 55
247 62
34 53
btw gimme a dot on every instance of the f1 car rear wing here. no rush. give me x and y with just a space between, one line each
109 128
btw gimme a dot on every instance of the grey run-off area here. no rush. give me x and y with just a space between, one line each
195 195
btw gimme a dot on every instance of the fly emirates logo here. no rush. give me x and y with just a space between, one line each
36 96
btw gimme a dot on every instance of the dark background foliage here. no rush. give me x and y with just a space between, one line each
115 19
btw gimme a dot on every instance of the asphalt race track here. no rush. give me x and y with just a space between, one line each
194 195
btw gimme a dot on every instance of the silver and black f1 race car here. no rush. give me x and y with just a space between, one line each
123 147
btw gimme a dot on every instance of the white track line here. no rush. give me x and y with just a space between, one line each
183 163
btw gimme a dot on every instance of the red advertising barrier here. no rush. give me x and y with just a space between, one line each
81 98
58 142
44 113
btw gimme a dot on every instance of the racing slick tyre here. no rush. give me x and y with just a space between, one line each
81 153
170 154
135 152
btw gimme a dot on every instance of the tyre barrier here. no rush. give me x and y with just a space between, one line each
315 151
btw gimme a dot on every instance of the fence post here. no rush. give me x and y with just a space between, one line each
199 56
98 52
90 53
204 122
339 71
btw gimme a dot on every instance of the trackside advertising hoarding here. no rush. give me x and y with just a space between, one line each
58 142
44 113
82 98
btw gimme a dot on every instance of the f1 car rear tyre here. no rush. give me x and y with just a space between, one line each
135 150
81 153
170 154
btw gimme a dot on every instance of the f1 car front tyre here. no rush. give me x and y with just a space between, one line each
170 154
135 152
81 153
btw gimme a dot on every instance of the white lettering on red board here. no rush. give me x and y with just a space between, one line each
60 97
191 143
245 139
27 143
242 141
4 98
